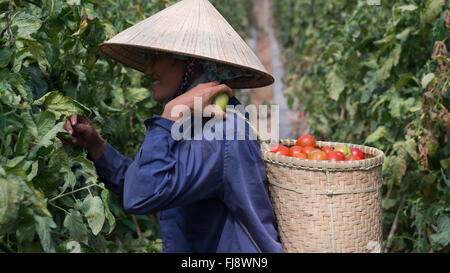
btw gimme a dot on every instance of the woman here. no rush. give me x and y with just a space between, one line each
211 195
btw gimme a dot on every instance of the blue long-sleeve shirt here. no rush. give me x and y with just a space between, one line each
211 194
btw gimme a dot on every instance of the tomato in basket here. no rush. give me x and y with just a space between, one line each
306 140
357 152
281 150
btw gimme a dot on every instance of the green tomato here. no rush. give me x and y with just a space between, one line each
344 149
221 100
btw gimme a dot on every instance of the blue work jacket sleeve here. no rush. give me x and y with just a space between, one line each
165 173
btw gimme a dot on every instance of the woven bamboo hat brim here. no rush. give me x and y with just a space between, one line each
192 28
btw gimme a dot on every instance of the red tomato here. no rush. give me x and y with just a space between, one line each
318 155
344 149
301 155
295 150
333 156
340 154
327 149
357 152
352 158
306 150
306 140
280 149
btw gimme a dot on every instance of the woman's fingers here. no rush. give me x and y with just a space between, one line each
83 129
68 126
84 120
73 119
209 84
219 89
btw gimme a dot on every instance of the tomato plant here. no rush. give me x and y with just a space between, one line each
378 75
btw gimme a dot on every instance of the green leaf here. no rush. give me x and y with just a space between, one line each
74 224
73 2
90 10
403 36
19 85
51 8
34 171
388 203
427 79
410 7
11 195
43 225
94 212
26 25
385 71
398 168
45 122
37 79
19 57
38 53
86 164
404 79
336 85
109 215
136 94
26 229
411 148
379 133
28 121
11 163
399 107
60 105
368 89
48 138
5 56
432 147
69 179
433 9
441 238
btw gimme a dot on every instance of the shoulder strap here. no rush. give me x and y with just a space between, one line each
247 232
244 228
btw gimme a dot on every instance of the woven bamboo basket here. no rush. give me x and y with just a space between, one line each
325 206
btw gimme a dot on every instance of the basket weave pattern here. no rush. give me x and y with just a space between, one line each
323 206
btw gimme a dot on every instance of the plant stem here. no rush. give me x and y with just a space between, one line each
394 225
119 243
74 191
58 207
138 230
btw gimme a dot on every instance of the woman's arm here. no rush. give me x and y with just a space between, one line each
167 173
111 167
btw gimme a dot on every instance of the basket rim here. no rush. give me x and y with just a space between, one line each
321 165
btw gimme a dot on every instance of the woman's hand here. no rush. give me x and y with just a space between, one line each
206 92
84 135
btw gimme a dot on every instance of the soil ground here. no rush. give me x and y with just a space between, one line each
292 123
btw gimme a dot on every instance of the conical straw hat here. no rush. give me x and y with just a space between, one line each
191 28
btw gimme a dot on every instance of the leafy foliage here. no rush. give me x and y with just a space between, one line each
379 76
51 199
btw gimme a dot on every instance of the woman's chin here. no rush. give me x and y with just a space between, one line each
160 94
